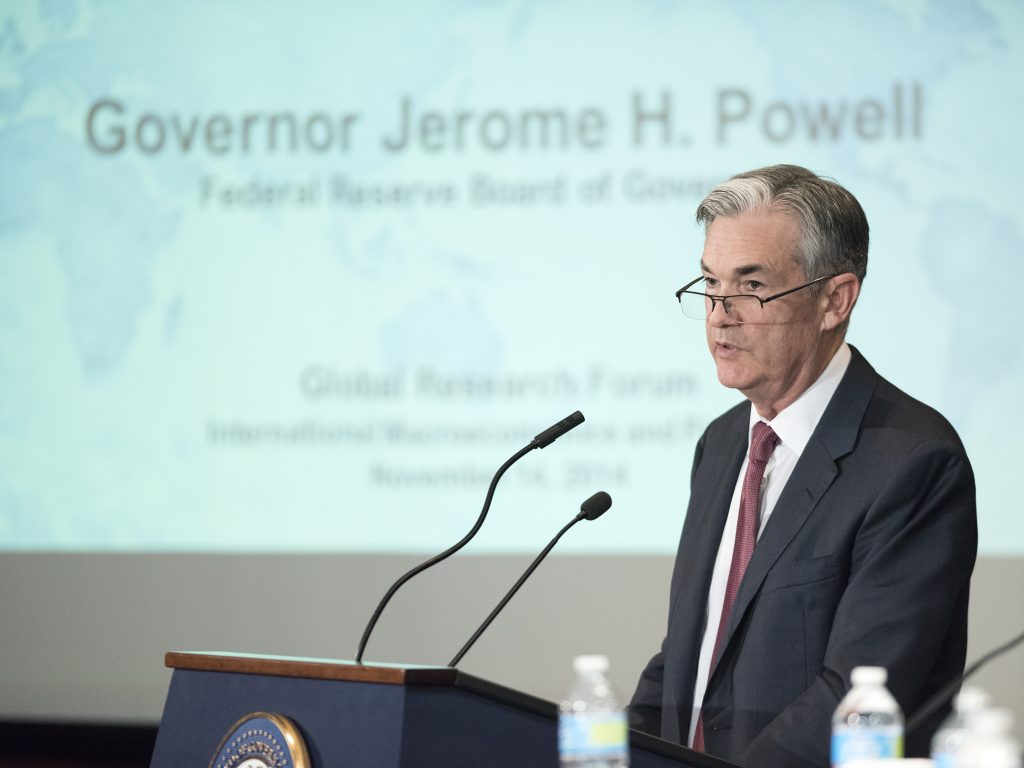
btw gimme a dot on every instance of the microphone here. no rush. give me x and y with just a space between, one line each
595 506
555 431
542 440
591 509
943 695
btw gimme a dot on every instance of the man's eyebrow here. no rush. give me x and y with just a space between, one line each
749 269
740 271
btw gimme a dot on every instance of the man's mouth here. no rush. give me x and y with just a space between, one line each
725 349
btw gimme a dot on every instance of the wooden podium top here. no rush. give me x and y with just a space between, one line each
340 670
319 669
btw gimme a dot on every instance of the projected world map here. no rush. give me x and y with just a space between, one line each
332 293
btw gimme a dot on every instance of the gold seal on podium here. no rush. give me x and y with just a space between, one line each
262 740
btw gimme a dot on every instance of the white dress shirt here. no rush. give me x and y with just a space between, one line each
794 425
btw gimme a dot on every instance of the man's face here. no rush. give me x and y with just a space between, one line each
773 358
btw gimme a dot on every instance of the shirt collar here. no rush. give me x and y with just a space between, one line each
796 422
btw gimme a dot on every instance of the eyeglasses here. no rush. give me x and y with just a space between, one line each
741 307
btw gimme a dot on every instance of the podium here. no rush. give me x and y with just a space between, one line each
374 716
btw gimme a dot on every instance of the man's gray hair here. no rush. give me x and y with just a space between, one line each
834 229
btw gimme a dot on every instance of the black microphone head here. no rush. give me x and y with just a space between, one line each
596 505
555 431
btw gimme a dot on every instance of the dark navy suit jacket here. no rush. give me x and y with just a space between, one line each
865 560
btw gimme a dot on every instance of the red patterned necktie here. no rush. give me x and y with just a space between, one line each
762 443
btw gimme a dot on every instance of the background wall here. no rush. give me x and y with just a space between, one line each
91 630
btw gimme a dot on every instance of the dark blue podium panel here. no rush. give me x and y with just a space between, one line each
353 724
354 716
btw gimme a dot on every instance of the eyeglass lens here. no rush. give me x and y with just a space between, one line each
740 308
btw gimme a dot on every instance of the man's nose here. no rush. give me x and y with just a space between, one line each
719 317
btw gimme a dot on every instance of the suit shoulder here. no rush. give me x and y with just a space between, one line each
896 413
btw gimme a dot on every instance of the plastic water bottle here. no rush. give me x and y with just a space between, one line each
989 742
949 739
868 723
592 730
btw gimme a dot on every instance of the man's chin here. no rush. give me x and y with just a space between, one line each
730 375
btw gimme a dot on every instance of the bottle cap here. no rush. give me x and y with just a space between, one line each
869 676
971 699
590 663
991 722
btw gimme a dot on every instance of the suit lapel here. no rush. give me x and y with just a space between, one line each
710 511
702 531
833 438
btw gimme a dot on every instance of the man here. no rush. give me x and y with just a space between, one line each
846 536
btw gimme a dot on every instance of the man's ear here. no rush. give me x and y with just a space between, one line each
840 295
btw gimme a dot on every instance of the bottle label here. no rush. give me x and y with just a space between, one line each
850 744
592 734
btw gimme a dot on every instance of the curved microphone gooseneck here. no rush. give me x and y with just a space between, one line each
591 509
542 440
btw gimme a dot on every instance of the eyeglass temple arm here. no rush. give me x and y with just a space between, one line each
794 290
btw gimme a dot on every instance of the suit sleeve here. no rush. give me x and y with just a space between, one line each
645 707
904 606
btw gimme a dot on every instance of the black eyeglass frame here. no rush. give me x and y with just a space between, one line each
715 298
